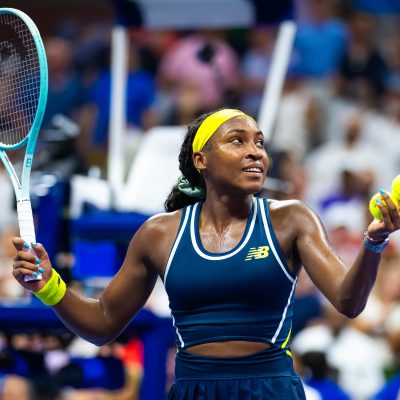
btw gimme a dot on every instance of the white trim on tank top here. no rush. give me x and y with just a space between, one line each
228 254
278 330
271 243
278 259
176 244
170 258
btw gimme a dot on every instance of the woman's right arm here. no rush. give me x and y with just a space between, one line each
102 320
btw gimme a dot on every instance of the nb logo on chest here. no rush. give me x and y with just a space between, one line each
257 252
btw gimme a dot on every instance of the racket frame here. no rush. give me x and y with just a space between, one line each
21 186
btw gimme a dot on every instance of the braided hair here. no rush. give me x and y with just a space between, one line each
176 199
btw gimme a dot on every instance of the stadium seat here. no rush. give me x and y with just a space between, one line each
154 171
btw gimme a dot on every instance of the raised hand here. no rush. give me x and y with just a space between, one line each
390 217
26 263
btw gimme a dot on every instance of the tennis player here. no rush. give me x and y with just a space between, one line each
229 262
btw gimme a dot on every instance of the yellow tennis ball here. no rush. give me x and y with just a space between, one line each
373 206
396 187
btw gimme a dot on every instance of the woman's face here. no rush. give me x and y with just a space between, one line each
235 158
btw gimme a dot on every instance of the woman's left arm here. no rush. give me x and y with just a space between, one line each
347 288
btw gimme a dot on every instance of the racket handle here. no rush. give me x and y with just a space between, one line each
27 230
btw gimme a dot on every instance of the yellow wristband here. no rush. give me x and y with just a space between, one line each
53 291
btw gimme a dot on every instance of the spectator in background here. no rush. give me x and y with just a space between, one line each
378 7
199 73
320 376
319 45
393 61
320 41
7 200
153 45
140 96
298 111
108 372
344 212
326 164
358 359
384 299
287 178
382 132
363 71
8 289
22 354
15 387
382 126
65 93
390 391
297 128
391 330
255 64
391 326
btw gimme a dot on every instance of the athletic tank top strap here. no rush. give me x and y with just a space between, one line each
181 229
273 240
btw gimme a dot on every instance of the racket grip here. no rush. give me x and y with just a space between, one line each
27 230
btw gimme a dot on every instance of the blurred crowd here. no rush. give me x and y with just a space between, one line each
335 143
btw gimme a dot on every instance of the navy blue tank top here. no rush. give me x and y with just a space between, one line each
243 294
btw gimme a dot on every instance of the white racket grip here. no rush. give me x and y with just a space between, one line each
27 230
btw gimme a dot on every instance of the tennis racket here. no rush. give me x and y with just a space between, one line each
23 86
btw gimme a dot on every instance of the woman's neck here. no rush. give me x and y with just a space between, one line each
221 211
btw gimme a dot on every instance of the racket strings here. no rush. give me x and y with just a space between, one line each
19 79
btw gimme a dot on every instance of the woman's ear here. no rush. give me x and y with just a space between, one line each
199 160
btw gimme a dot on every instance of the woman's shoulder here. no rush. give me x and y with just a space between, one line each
162 224
292 209
290 204
154 239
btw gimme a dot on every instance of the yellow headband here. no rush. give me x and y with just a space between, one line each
211 124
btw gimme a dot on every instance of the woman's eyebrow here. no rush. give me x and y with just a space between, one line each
241 130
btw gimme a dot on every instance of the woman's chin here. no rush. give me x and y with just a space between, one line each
254 189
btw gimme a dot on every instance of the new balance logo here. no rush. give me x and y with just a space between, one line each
257 252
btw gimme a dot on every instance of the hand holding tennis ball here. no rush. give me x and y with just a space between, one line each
373 204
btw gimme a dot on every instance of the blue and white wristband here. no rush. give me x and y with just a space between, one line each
376 246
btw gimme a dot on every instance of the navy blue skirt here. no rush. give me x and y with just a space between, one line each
268 375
